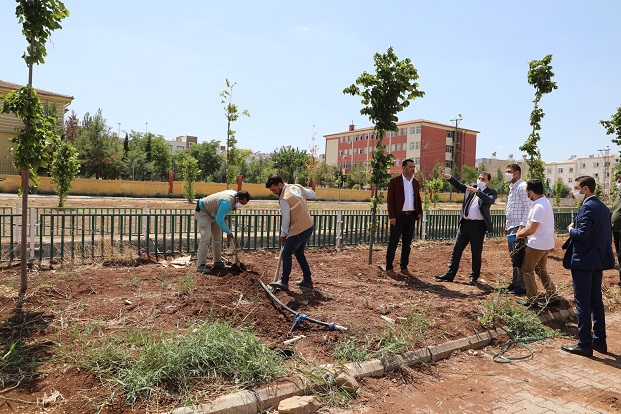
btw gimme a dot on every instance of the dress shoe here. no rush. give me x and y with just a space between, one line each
304 284
510 287
472 281
406 272
391 273
517 291
600 347
280 285
542 303
575 349
444 278
529 303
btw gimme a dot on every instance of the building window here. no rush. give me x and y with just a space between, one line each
340 140
596 164
596 175
412 145
412 130
448 164
417 144
449 149
570 180
392 148
549 170
571 169
341 153
560 171
419 129
417 160
450 134
583 165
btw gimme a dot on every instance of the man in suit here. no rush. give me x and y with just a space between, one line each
616 223
589 253
404 208
475 220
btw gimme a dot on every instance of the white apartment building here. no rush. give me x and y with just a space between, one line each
599 167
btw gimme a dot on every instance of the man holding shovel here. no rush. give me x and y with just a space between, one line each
296 229
210 213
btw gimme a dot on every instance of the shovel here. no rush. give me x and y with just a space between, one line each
239 266
276 276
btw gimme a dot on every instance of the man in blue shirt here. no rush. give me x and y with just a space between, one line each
210 213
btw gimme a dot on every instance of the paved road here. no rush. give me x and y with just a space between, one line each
552 381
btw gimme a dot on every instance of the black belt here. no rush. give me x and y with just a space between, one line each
198 205
407 213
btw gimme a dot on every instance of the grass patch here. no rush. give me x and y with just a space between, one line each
394 339
522 322
186 285
145 364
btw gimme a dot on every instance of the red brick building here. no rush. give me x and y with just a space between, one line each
426 142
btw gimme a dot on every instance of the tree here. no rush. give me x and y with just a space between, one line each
560 190
358 176
290 163
157 159
190 172
233 156
97 147
209 161
34 141
613 127
327 175
499 183
257 171
65 167
384 95
540 76
72 127
469 174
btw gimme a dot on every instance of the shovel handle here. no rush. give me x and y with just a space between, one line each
276 276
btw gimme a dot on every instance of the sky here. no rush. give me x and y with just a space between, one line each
160 66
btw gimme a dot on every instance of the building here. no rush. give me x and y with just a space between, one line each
9 123
599 167
426 142
492 165
181 143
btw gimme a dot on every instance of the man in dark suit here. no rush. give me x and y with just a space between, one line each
404 208
475 220
589 253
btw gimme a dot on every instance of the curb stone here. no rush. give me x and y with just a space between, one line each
253 402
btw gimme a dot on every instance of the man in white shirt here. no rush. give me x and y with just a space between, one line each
296 229
518 206
540 233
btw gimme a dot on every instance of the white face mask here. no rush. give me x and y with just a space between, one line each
618 186
578 195
481 185
508 176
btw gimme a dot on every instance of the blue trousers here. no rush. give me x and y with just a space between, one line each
589 306
295 245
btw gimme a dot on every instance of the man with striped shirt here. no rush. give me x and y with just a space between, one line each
518 206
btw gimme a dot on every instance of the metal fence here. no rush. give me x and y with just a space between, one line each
101 233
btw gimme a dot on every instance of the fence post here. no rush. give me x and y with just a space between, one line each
32 233
339 228
424 226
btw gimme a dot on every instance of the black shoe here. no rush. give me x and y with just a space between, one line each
444 278
542 303
577 350
304 284
472 281
279 285
518 291
217 266
510 287
529 303
600 347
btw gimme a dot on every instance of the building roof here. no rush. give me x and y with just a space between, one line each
12 86
415 121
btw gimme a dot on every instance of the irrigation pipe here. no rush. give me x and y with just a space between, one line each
301 317
499 356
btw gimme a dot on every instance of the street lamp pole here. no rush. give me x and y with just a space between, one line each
146 127
118 135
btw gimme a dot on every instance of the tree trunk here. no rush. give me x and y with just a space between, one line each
24 235
373 226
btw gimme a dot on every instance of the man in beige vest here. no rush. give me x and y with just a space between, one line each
209 214
296 229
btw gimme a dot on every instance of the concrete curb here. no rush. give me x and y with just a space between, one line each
253 402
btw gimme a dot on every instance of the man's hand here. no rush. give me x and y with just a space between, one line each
471 189
571 226
393 221
230 237
446 176
283 239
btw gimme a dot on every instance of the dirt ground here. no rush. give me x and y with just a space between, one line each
348 292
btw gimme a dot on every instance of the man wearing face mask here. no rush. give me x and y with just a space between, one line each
296 229
616 223
589 253
540 233
516 212
475 220
209 214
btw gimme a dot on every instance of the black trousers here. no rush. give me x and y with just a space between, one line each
470 232
404 230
